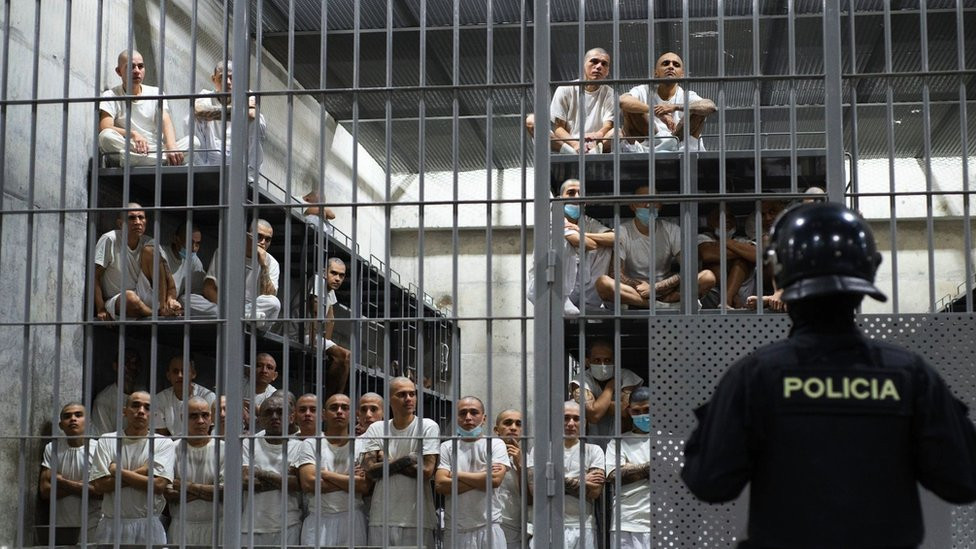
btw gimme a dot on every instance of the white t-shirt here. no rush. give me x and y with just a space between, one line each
590 225
565 107
606 424
267 505
645 95
144 111
634 499
260 397
200 469
333 458
135 454
168 410
635 249
318 288
109 254
748 287
593 459
104 409
184 271
508 497
473 457
250 275
72 462
402 510
212 134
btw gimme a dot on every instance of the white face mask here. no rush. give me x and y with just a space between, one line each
601 372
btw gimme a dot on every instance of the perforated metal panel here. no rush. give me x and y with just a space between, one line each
694 353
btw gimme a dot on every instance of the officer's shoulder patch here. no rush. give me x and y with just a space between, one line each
845 390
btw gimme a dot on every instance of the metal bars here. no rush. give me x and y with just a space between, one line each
439 256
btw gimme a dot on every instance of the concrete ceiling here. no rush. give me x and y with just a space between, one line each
477 79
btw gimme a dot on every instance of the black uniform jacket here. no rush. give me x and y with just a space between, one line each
833 431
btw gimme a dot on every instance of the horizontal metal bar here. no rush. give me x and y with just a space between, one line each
573 24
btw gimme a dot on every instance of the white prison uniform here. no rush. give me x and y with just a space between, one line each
196 519
143 120
213 134
260 397
185 272
598 262
634 499
400 536
267 306
509 500
748 287
635 249
109 255
269 518
472 521
593 458
605 426
565 106
649 97
168 410
401 489
318 289
104 409
72 462
132 522
335 524
490 535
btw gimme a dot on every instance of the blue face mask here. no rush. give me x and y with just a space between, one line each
473 433
572 211
182 253
642 422
646 215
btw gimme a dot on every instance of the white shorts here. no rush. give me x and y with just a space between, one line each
631 540
197 533
573 540
143 289
132 531
273 538
400 535
476 539
335 529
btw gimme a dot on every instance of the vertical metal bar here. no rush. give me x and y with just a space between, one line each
489 297
757 153
58 298
547 519
523 247
232 287
689 184
88 311
833 103
852 55
791 33
722 184
927 149
25 378
422 155
964 147
890 138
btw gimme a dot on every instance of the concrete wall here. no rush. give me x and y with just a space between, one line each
907 221
44 365
504 345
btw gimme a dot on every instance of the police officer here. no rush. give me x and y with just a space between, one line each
833 430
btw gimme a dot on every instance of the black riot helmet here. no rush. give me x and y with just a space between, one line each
823 248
